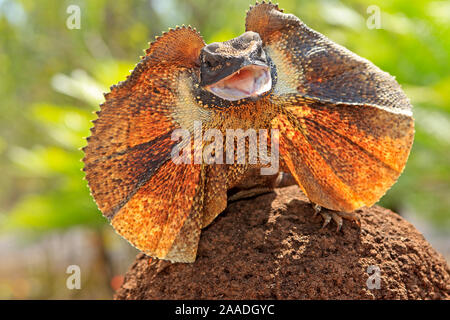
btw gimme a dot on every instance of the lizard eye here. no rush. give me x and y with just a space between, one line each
210 57
211 61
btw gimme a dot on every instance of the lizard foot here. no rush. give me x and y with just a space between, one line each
336 216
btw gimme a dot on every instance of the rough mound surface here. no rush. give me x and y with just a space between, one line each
271 247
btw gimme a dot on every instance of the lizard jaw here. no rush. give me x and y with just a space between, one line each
249 81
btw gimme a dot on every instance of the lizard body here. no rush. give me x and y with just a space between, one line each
345 129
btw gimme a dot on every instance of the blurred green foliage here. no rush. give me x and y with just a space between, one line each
51 79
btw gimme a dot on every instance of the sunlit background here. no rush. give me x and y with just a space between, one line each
52 78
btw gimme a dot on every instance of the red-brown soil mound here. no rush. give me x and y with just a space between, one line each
271 247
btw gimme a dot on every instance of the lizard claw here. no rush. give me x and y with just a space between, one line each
317 209
338 219
326 219
336 216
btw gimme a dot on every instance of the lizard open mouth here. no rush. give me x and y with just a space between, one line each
249 81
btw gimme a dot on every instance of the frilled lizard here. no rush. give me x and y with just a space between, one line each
345 129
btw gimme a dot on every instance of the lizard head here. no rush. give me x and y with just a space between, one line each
236 69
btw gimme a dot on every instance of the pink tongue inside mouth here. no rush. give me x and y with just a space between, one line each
242 80
247 82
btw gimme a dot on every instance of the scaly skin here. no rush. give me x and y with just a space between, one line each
346 129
